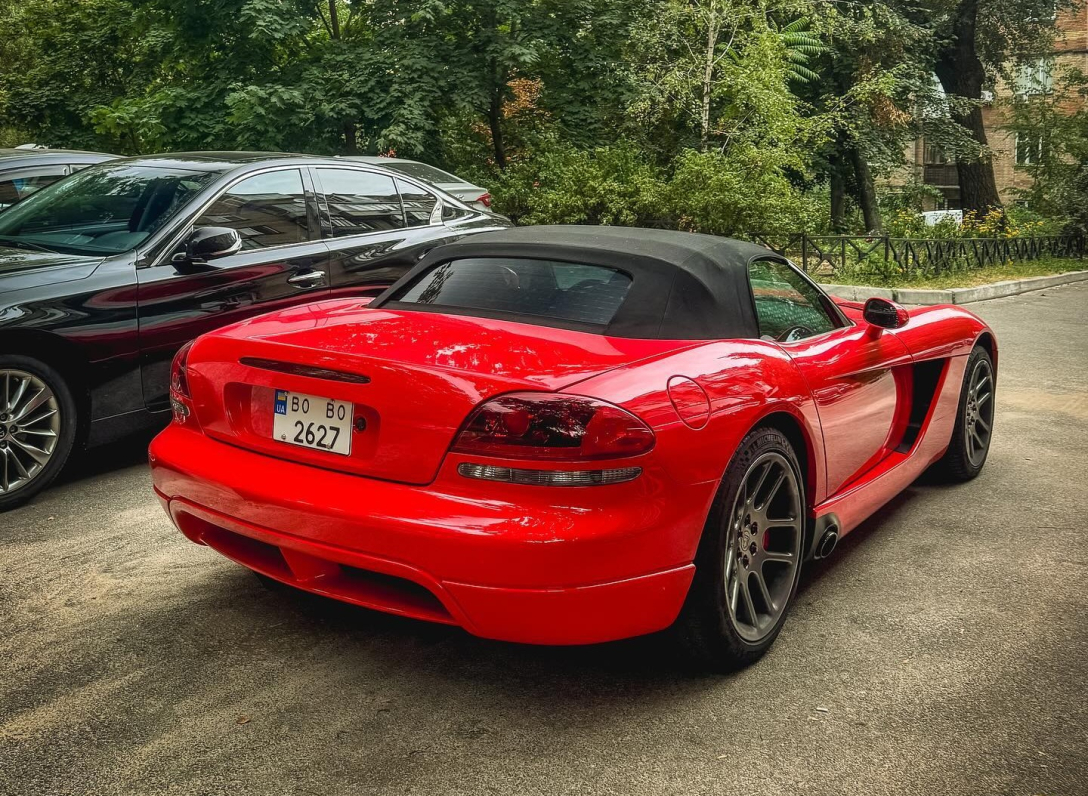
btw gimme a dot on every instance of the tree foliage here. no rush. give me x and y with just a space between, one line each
730 116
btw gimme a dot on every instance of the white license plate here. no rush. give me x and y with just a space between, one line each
313 422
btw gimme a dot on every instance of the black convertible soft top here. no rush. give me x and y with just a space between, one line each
685 286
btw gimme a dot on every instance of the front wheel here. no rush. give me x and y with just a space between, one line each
749 559
973 431
37 427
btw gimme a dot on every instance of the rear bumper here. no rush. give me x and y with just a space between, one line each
528 571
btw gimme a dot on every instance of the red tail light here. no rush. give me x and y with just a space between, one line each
485 200
553 427
181 400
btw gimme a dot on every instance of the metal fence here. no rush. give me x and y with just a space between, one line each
825 256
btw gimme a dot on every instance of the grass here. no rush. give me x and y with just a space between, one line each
967 278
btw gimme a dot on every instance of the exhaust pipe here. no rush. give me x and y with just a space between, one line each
827 542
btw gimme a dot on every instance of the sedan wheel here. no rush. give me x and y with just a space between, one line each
30 425
761 566
37 427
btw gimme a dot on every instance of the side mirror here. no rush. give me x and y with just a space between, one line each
885 314
204 244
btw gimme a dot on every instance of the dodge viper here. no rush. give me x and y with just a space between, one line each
570 435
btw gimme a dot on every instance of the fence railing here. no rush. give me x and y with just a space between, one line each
825 256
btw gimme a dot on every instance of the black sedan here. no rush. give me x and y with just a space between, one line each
106 274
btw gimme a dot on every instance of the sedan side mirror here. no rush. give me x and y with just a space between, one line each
204 244
885 314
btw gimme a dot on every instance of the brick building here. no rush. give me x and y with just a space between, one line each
926 163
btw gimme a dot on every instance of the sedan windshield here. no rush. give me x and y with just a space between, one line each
102 210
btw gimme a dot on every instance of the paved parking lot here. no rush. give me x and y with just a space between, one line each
944 650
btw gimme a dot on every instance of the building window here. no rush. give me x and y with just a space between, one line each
933 155
1035 78
1029 149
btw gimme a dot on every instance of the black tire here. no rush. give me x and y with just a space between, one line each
965 457
65 431
709 631
275 586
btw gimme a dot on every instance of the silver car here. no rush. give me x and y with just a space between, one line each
472 195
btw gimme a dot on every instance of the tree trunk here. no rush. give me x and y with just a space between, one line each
866 191
334 20
350 136
712 32
961 74
495 120
838 200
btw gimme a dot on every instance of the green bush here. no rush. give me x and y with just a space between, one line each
734 194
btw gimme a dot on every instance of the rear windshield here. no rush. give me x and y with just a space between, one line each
421 171
542 288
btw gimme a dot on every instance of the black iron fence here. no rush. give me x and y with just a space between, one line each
825 256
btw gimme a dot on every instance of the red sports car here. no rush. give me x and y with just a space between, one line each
566 435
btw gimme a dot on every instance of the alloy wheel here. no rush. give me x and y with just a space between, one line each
30 426
979 414
764 554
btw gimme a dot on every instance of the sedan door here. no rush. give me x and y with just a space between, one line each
376 227
282 262
854 372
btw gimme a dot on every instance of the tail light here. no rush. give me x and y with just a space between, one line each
551 427
181 400
484 199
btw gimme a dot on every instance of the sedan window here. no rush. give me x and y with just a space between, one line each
360 201
105 209
421 171
16 189
267 210
419 204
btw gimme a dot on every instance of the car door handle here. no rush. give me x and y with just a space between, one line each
307 280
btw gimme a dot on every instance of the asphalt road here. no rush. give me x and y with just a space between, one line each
944 650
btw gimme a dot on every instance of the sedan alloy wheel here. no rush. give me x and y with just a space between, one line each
30 428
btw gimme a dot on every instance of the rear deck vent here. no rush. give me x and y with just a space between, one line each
309 371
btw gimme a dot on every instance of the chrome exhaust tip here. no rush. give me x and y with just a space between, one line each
827 542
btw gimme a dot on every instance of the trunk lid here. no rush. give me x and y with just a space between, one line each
424 373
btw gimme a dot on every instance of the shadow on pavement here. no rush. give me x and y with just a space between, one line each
126 452
651 661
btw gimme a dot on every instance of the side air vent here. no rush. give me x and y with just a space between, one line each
295 369
927 375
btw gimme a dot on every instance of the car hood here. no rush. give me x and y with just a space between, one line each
21 268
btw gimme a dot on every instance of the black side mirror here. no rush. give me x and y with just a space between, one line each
885 314
204 244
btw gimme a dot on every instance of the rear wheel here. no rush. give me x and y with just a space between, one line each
37 427
970 445
749 559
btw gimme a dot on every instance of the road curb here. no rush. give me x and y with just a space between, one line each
959 295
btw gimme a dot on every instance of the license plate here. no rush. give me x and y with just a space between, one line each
313 422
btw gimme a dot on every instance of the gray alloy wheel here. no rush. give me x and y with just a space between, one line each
766 531
979 414
748 563
30 429
973 429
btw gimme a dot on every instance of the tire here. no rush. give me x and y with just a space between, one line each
275 586
24 473
971 436
715 626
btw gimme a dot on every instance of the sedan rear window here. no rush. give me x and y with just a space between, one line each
421 171
574 292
